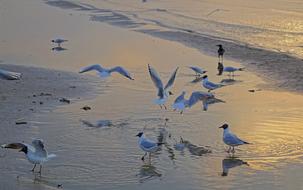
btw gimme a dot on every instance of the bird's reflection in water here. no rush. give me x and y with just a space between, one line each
162 138
148 172
58 48
192 148
229 163
99 123
229 81
210 101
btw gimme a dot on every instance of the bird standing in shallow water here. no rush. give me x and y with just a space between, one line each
231 139
35 153
221 52
147 145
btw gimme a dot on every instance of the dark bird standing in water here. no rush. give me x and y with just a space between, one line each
221 52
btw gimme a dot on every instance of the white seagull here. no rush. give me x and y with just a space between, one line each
35 153
231 139
59 41
197 70
210 85
181 103
163 92
9 75
229 70
147 145
104 73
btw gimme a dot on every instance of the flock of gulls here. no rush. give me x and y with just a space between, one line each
37 154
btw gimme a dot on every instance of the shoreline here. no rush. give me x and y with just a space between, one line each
37 91
267 64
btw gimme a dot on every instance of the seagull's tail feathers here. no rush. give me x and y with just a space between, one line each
241 69
246 142
160 143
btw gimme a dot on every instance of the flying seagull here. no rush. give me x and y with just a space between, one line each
147 145
35 153
210 85
104 73
163 92
231 139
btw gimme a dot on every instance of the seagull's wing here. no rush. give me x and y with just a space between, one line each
156 80
180 98
146 143
9 75
213 85
196 80
122 71
197 96
96 67
171 80
197 69
233 139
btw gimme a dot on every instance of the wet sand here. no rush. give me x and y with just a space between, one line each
108 157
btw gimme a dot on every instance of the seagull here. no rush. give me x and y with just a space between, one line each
181 103
104 73
210 85
231 139
197 70
209 101
59 41
163 92
229 70
221 52
147 145
9 75
35 153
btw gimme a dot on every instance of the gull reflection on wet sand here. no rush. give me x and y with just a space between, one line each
231 162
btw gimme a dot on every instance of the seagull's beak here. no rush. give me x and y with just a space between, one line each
221 127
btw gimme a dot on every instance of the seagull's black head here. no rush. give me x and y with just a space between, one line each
170 93
53 40
24 149
139 134
219 45
224 126
204 77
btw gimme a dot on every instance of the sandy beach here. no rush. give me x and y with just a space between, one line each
262 104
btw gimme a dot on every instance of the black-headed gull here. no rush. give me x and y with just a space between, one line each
147 145
59 41
181 103
221 52
163 92
231 139
229 69
197 70
210 85
35 153
104 73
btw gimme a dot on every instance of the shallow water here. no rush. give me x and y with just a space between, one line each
109 157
